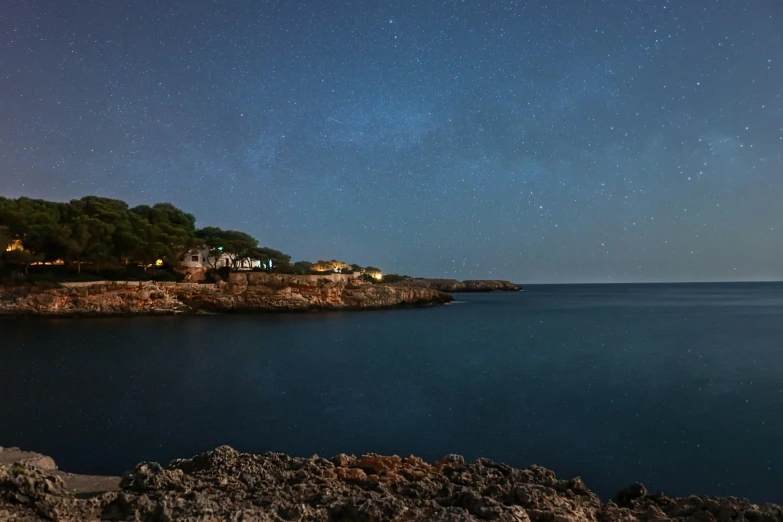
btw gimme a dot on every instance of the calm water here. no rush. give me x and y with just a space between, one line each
677 386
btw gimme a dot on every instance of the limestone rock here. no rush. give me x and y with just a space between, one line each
243 292
225 484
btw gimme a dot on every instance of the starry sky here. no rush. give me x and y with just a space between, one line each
539 141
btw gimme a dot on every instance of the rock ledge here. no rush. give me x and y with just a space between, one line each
224 484
243 292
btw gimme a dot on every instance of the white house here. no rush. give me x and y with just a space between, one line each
228 260
200 258
196 258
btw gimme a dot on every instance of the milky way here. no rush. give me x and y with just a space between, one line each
626 140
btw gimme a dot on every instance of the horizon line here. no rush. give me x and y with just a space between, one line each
658 282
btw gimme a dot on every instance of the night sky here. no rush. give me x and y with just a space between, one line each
570 141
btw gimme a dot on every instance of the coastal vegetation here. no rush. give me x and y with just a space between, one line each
97 238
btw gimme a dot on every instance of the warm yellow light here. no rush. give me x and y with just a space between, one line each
159 262
16 245
378 275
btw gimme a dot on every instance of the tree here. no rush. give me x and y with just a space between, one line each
269 254
237 245
167 231
303 267
104 231
98 249
101 218
22 258
76 240
5 238
394 278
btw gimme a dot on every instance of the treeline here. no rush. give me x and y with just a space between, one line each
106 233
105 236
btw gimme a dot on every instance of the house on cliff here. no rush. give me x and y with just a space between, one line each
196 258
200 258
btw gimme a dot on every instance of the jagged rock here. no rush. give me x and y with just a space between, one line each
225 484
626 496
244 292
26 458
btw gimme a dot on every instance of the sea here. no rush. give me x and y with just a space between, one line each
676 386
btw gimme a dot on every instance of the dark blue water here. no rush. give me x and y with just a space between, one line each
678 386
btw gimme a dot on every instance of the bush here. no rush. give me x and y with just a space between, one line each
164 276
136 273
12 279
41 277
394 278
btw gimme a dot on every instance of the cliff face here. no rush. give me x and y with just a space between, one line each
452 285
245 292
224 484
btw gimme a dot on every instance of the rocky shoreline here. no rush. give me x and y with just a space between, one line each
243 292
225 484
453 285
246 292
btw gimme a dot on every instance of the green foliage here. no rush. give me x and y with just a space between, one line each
163 275
302 267
99 232
270 253
110 240
17 470
238 245
394 278
5 238
22 258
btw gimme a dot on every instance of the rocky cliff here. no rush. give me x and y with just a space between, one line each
224 484
244 292
482 285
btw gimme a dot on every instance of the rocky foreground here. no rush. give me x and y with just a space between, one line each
243 292
224 484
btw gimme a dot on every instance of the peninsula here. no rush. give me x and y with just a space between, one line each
97 256
243 292
224 484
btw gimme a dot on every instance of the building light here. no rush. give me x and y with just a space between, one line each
16 244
